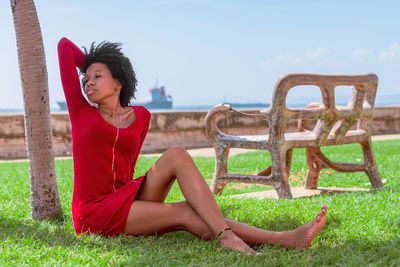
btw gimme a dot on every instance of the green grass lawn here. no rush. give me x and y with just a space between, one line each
363 228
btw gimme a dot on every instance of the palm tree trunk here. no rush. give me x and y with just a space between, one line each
45 202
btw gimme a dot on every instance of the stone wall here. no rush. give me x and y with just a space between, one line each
168 128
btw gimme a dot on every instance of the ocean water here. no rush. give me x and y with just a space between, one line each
381 100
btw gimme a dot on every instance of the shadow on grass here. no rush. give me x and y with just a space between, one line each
50 233
327 250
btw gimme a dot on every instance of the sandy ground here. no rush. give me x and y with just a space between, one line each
299 192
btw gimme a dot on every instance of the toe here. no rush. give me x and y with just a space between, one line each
323 210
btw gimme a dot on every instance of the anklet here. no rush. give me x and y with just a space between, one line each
223 230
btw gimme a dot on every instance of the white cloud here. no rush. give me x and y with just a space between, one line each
322 55
362 52
392 53
318 54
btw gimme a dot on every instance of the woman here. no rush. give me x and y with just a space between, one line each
107 138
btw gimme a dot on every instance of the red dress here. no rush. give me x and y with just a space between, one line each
104 157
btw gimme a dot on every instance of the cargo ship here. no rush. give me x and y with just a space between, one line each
159 100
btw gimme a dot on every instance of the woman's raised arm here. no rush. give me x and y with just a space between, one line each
70 57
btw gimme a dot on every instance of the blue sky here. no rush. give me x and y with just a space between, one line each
209 51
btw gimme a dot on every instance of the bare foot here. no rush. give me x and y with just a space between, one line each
231 241
304 235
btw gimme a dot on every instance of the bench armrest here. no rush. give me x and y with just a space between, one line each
265 113
220 110
211 120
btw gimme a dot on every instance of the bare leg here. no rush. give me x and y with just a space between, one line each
200 215
149 218
177 164
299 238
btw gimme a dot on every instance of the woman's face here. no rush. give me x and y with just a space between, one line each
100 86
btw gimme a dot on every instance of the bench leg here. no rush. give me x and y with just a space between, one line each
221 169
288 161
268 170
371 169
281 171
314 168
316 161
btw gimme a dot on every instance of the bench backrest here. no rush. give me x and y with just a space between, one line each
331 120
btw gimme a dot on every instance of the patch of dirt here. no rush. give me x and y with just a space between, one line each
238 186
298 178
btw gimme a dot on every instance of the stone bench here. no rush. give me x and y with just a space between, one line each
319 125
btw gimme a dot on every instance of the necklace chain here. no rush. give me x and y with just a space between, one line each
120 116
108 114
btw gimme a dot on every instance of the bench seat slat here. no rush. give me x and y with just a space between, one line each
295 140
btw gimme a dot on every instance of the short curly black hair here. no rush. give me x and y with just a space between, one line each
118 64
